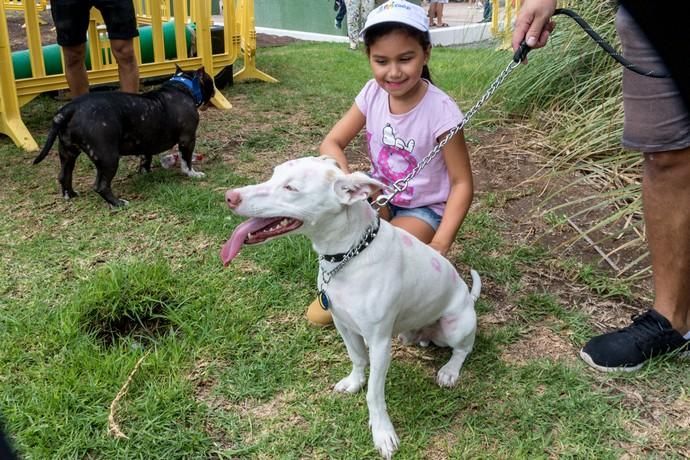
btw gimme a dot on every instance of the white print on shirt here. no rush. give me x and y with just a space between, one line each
390 139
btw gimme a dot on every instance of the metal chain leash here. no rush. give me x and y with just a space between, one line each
401 184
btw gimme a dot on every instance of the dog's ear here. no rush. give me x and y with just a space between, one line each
350 188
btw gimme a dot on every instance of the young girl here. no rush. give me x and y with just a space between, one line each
405 116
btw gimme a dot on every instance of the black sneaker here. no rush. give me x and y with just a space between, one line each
627 349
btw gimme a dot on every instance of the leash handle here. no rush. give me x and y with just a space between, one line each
608 48
521 52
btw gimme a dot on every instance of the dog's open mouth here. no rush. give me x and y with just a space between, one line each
256 230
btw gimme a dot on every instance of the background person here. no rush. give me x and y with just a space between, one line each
657 123
341 11
436 13
71 18
357 12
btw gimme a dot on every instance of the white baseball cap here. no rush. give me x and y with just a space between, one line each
398 11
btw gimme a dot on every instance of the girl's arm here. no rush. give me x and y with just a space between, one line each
341 135
457 161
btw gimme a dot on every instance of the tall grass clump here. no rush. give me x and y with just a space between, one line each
571 91
127 300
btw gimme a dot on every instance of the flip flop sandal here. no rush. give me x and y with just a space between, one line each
444 24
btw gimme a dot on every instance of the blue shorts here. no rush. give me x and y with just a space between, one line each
424 214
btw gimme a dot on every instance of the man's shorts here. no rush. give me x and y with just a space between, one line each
656 119
438 1
71 18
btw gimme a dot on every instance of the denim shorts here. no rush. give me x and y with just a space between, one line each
424 213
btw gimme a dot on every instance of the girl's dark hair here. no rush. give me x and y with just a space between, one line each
379 30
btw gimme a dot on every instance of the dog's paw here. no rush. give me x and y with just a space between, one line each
195 174
447 378
350 384
118 204
385 439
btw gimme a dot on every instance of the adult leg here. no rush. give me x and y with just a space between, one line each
367 7
666 197
487 11
439 14
121 24
127 67
75 69
353 15
432 13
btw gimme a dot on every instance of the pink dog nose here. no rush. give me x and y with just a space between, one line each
233 198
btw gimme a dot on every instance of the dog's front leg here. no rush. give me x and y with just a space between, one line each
385 439
186 150
358 355
144 164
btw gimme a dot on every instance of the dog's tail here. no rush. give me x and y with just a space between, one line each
476 285
59 121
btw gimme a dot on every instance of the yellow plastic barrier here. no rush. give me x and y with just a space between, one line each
248 34
19 4
502 27
239 37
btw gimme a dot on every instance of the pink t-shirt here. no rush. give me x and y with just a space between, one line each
397 143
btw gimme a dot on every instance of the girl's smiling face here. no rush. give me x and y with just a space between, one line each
397 60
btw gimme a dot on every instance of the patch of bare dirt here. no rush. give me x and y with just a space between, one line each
657 419
537 343
264 416
17 31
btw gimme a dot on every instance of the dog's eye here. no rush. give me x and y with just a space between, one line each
289 188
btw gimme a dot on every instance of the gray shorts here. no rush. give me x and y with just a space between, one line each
424 214
655 118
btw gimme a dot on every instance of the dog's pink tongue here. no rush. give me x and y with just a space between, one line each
232 247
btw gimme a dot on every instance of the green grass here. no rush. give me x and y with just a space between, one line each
234 371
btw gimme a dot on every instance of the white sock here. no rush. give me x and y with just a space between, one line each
687 336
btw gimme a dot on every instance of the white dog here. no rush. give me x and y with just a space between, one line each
377 280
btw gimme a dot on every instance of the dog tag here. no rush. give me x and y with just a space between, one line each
324 301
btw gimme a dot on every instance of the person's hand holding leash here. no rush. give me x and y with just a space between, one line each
534 24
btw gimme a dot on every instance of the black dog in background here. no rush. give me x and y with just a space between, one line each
108 125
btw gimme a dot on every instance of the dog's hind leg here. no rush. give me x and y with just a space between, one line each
448 375
385 438
68 158
358 355
145 163
106 170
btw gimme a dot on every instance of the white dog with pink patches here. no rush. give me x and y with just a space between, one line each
377 280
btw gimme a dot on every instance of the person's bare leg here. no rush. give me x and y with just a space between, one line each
439 14
432 13
417 227
75 69
127 66
666 197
